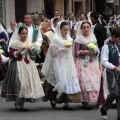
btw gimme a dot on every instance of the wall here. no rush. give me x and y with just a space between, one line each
117 9
10 11
35 5
82 7
32 6
59 5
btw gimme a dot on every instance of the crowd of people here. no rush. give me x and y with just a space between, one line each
79 59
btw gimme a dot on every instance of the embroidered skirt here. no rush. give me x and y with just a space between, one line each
12 85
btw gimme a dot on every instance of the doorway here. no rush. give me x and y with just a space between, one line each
78 7
49 8
66 7
20 9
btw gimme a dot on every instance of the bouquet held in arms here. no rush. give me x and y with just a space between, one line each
68 44
94 49
1 51
36 48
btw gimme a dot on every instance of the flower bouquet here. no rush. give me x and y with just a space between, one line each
68 44
1 51
36 48
93 48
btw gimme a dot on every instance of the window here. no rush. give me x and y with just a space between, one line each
20 9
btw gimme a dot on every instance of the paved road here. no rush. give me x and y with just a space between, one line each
43 111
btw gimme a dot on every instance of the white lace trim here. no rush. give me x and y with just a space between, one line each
29 79
71 87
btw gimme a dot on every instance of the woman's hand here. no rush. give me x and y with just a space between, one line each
29 49
22 48
2 40
87 52
19 51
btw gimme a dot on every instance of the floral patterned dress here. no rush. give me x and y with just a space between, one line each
89 77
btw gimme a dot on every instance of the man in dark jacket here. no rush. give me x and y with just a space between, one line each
98 29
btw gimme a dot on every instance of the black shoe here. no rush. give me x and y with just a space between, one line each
52 104
20 109
16 107
103 113
118 118
88 108
24 109
67 108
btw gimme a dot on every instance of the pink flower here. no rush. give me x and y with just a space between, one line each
36 29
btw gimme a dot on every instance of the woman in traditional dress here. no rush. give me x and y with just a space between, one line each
22 82
88 70
82 16
61 83
3 39
54 22
11 28
3 60
4 47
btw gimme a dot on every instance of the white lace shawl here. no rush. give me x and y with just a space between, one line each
10 30
52 24
79 31
81 39
17 44
56 50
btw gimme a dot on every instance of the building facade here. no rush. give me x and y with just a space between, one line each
76 6
2 10
15 9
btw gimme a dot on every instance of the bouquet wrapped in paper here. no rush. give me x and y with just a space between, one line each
93 48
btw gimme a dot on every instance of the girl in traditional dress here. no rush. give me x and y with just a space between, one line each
22 82
59 69
89 75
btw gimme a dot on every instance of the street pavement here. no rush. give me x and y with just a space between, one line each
43 111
